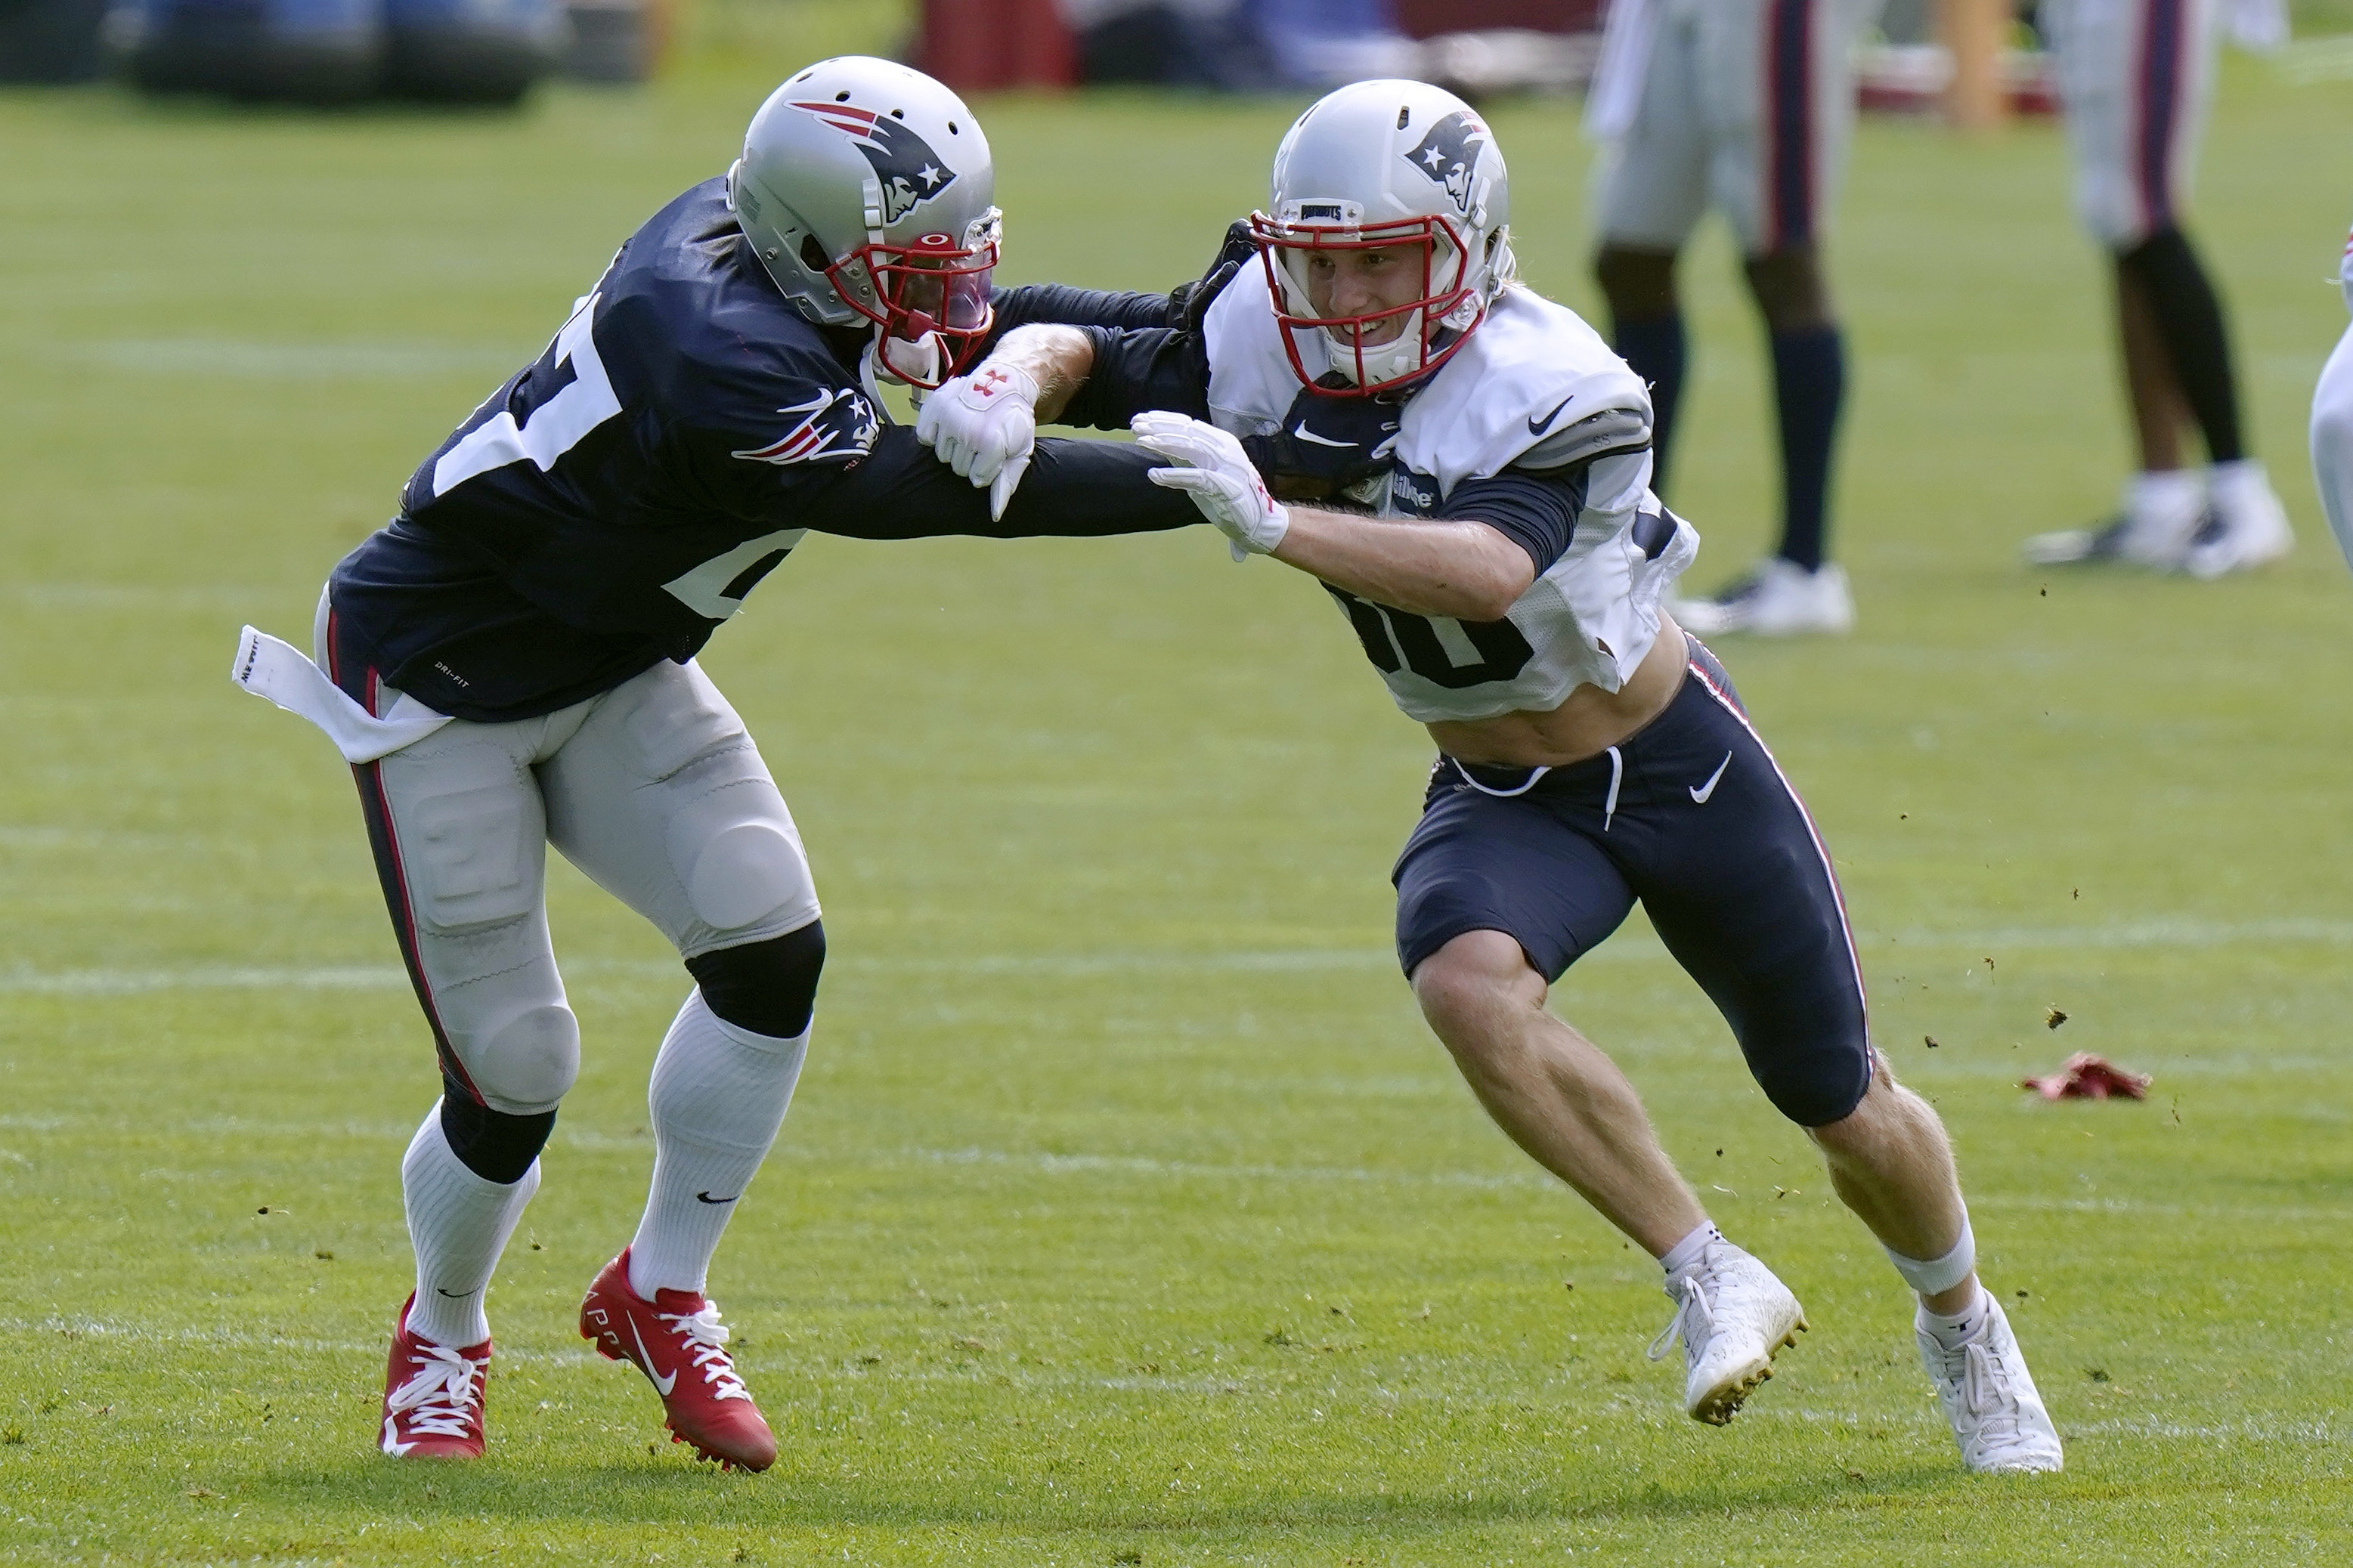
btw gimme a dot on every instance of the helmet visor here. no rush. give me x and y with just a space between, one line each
935 285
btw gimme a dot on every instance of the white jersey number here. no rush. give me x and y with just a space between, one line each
1396 638
548 431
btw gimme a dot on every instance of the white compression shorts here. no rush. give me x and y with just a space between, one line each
654 789
1744 104
2134 79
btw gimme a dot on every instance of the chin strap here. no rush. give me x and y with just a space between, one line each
921 363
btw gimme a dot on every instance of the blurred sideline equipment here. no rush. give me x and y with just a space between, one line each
49 40
2332 424
1484 45
510 664
1508 591
338 51
1748 107
2135 76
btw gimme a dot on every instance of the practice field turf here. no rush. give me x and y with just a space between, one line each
1129 1214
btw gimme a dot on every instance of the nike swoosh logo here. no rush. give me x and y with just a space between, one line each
1538 427
1304 434
662 1385
391 1444
706 1198
453 1295
1700 792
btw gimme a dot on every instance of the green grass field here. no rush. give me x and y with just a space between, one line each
1128 1213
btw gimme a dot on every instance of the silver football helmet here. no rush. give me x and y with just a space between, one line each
866 190
1384 166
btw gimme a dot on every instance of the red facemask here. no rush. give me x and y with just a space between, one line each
1371 366
931 287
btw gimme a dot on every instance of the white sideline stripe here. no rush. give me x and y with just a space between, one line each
2158 933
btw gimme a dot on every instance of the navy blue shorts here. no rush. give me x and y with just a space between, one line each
1692 815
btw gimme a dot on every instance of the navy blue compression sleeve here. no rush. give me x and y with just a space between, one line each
1136 370
1060 302
1077 489
1535 512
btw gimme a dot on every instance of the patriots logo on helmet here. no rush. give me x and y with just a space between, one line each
837 426
910 171
1449 153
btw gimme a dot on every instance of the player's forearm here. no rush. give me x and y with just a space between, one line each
1463 570
1058 358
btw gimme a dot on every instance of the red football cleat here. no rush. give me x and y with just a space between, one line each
676 1341
433 1396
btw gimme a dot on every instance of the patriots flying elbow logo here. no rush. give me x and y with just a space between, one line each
836 425
909 170
1448 154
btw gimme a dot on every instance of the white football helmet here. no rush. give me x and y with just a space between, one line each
1377 166
867 191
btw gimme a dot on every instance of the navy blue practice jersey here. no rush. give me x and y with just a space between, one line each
614 502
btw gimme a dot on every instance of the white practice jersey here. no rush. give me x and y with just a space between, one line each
1535 389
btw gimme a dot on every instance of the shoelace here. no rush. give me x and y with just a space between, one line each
1693 1314
1982 1384
441 1397
707 1340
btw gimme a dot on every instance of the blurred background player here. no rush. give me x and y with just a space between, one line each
510 664
1747 106
2135 76
1508 590
2332 424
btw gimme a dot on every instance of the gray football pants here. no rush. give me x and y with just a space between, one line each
654 789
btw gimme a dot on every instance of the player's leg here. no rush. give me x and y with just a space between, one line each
2332 434
1558 1098
1784 117
663 800
1649 189
1741 889
456 825
1496 892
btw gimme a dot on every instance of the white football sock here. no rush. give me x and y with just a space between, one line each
1684 1254
1955 1329
459 1223
719 1094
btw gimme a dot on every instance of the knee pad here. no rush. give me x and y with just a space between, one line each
768 987
492 1144
523 1064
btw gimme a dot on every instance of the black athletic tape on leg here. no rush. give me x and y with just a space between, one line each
2197 337
492 1144
768 987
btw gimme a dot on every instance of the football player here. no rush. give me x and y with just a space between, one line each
1747 106
2134 80
510 664
1591 754
2332 425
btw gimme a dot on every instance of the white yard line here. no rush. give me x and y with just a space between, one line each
2168 934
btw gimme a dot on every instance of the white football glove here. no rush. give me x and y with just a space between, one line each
984 425
1212 467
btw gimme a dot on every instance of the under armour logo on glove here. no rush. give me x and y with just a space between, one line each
985 438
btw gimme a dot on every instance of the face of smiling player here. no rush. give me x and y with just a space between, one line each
1347 282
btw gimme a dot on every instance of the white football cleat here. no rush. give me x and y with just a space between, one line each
2152 528
1733 1317
2245 526
1779 599
1989 1396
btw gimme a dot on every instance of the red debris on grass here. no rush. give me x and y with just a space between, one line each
2087 1076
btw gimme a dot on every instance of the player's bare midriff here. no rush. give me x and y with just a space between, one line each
1588 723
